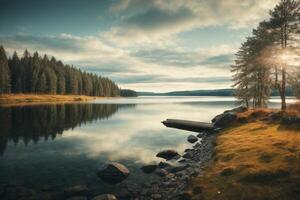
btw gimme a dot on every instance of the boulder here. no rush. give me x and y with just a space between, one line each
192 139
76 190
288 120
167 154
113 173
274 116
149 168
225 119
105 197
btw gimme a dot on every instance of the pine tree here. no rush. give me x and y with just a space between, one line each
285 24
16 73
33 74
5 79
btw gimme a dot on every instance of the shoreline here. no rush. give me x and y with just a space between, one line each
38 99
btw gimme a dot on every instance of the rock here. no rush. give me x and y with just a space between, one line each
200 135
188 155
113 173
161 172
216 130
186 150
225 119
76 190
163 165
287 120
274 116
167 154
192 139
197 145
179 168
149 168
77 198
182 161
240 109
105 197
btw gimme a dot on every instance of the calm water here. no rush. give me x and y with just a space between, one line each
63 145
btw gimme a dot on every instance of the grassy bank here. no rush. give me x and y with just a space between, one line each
254 160
23 99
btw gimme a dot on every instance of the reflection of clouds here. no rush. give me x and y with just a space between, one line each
137 133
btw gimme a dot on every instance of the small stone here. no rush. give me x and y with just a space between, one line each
105 197
188 155
192 139
163 165
167 154
161 172
76 190
186 150
149 168
179 168
197 145
200 135
113 173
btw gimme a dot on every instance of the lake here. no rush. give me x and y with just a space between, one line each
63 145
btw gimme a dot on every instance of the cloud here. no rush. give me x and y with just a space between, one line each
136 68
158 20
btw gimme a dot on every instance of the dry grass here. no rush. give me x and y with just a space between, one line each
24 99
256 160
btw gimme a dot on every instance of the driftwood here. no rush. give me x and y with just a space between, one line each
188 125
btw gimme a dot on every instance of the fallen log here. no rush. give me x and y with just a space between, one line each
193 126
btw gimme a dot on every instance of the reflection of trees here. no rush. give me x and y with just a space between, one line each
30 123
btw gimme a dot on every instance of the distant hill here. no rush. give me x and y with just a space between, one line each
218 92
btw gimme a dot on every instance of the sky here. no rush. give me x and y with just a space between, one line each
145 45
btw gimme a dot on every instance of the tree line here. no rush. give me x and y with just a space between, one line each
42 75
269 59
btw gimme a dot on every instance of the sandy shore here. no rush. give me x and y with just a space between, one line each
28 99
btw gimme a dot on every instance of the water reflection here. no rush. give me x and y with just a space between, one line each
32 123
88 135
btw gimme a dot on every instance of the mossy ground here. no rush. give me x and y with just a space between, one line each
257 160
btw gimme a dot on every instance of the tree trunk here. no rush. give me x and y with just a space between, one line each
283 99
